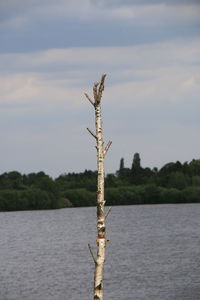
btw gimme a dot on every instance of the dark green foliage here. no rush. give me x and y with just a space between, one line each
11 180
85 180
177 180
23 200
192 194
194 167
24 192
121 166
50 187
80 197
123 196
122 173
173 183
195 180
33 178
136 170
111 181
136 163
172 195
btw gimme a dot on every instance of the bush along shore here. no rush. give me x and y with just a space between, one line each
173 183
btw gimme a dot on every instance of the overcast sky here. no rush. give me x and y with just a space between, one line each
52 51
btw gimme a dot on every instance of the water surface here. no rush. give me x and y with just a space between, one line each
153 253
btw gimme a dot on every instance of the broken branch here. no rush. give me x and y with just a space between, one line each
90 131
92 254
95 91
86 95
109 210
101 87
107 147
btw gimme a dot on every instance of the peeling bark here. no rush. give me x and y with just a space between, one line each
98 89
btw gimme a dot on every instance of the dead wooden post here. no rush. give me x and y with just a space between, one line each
99 260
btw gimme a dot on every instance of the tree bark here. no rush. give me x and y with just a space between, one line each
101 216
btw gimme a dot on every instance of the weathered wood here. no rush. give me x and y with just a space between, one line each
101 241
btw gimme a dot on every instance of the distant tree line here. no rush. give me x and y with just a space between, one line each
28 192
173 183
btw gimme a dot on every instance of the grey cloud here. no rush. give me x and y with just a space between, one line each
63 61
75 34
48 24
112 3
151 100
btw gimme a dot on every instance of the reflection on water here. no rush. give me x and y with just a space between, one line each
153 253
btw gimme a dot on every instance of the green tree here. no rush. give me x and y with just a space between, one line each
123 173
11 180
47 184
136 170
111 180
136 163
194 167
177 180
196 180
121 166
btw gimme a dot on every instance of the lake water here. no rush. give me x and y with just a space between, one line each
153 253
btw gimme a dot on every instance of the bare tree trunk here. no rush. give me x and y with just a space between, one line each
101 216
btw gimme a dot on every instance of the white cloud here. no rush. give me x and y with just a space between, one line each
163 71
139 56
152 14
18 87
27 89
146 14
151 101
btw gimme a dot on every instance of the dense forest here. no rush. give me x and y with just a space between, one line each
173 183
